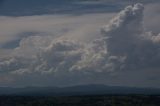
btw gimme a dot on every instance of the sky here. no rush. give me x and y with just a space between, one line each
74 42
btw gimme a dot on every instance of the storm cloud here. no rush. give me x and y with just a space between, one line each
124 46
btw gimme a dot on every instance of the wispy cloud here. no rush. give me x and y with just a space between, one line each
40 7
84 27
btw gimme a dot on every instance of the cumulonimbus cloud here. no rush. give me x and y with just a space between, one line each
124 45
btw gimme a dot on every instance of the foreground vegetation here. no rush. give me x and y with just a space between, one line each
110 100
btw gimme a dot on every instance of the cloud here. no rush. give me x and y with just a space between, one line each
151 19
126 36
36 7
14 29
112 2
123 47
123 36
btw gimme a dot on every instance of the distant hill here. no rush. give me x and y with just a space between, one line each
77 90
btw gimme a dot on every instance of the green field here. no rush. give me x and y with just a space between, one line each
107 100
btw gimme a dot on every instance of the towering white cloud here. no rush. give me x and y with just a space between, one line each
125 36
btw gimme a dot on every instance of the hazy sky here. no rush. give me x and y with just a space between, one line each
70 42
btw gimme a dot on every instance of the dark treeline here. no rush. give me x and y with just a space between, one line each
127 100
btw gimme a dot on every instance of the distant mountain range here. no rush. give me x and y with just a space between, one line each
77 90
